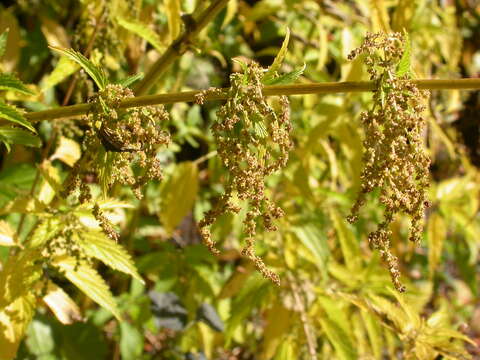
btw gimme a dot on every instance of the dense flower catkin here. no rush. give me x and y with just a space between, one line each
253 141
395 160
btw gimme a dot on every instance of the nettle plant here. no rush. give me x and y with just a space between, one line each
252 135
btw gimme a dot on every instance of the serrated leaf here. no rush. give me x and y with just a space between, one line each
95 72
67 151
63 69
144 31
277 62
44 231
51 182
18 276
130 80
14 320
179 195
403 67
88 281
10 83
10 113
260 129
315 242
3 42
23 205
7 234
96 244
62 305
19 136
287 78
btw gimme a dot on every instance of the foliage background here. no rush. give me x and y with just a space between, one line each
336 299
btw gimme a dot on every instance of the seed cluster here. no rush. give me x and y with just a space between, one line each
253 141
116 141
394 160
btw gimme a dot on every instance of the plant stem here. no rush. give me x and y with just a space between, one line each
294 89
179 46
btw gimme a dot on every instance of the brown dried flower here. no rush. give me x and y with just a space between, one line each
395 159
253 142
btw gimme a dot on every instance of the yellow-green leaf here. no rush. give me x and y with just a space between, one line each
62 305
67 151
96 244
436 235
63 69
142 30
89 282
172 7
7 234
14 320
277 62
278 321
179 195
347 239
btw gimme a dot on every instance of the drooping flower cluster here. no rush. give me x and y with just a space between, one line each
394 160
117 141
253 142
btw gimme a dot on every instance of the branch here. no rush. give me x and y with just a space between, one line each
294 89
179 46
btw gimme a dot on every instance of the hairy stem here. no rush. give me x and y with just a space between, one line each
179 46
294 89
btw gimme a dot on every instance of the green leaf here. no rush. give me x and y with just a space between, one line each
95 72
40 339
277 62
348 241
10 82
64 68
96 244
89 281
315 241
142 30
179 195
403 67
19 136
339 339
287 78
130 80
10 113
3 42
131 342
44 231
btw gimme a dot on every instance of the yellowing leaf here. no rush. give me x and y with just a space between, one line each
62 305
142 30
230 13
7 234
44 231
179 195
14 320
51 182
347 239
67 151
277 62
278 321
54 33
18 276
172 7
63 69
89 282
96 244
437 233
23 205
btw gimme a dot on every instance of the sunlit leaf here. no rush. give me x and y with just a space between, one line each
347 240
131 341
277 62
3 42
88 281
403 67
278 322
10 83
179 195
436 235
7 234
63 69
96 73
288 78
67 151
172 8
130 80
62 305
96 244
144 31
10 113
